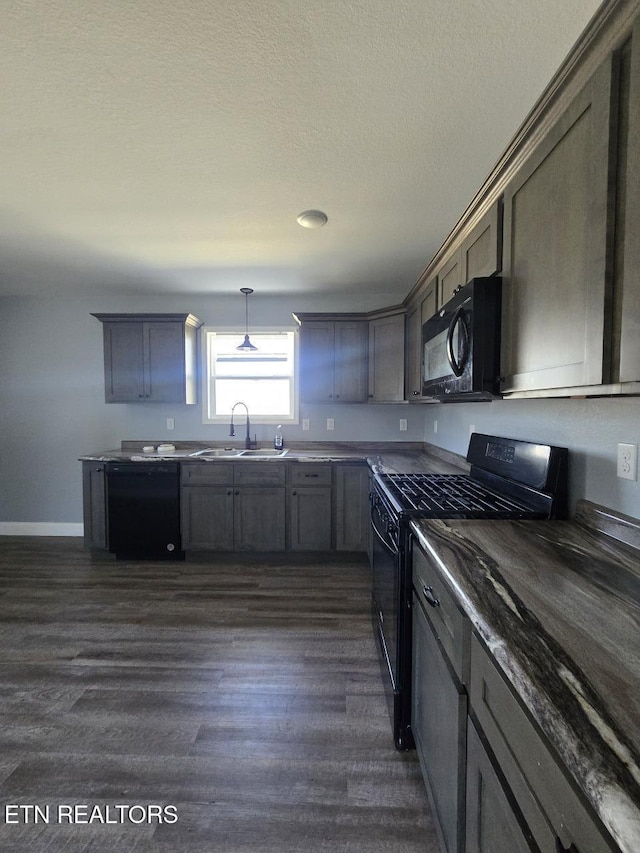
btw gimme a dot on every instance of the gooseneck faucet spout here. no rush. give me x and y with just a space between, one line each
232 430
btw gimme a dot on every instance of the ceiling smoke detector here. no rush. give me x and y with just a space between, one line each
312 219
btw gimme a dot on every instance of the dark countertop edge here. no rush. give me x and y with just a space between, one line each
625 810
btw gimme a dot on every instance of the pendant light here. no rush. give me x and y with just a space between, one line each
246 345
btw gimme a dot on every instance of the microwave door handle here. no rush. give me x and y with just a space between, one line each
457 367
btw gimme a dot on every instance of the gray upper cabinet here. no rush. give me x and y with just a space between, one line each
557 249
449 278
386 359
627 297
150 358
333 361
478 254
423 307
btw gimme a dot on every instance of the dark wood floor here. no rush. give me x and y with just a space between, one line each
249 697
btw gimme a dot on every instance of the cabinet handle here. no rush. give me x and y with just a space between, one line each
294 493
236 493
141 396
337 396
560 848
416 393
229 492
312 475
427 591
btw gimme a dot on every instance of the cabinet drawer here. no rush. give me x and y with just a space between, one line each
310 474
550 805
450 624
206 473
252 473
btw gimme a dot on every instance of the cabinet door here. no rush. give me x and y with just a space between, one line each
94 505
350 361
386 359
207 518
164 347
310 519
352 523
316 362
557 227
450 276
628 305
259 518
492 826
423 309
124 362
482 248
438 720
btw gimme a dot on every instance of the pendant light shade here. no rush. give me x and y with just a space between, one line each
246 345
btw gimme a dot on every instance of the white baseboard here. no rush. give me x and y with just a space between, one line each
40 528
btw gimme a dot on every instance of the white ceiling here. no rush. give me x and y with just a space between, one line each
150 145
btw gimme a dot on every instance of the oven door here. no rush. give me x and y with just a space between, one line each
391 618
386 582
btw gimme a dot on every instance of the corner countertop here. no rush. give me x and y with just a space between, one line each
558 605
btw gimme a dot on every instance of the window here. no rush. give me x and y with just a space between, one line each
264 379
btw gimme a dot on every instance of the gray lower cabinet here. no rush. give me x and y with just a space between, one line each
547 805
230 507
309 506
492 825
351 507
438 721
441 636
94 505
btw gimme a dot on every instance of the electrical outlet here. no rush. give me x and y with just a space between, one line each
330 423
171 423
403 424
305 423
628 461
435 427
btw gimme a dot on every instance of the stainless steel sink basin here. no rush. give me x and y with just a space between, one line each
264 453
215 453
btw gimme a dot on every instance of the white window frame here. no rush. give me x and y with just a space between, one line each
208 391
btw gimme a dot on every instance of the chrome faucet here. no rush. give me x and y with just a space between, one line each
232 430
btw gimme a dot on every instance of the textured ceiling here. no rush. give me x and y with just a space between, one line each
161 146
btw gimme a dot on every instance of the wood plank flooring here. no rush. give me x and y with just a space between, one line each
247 696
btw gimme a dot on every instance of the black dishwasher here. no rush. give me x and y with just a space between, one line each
143 510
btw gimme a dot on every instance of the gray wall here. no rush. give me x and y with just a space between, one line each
591 429
52 407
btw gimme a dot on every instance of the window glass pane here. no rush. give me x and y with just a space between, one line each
252 365
262 396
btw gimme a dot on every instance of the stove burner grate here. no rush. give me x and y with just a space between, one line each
451 495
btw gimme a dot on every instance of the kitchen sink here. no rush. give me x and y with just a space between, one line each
215 453
265 452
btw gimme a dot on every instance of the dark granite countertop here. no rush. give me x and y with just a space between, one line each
558 605
383 457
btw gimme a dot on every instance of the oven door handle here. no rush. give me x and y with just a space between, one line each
389 546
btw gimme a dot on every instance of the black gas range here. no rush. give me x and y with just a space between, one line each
508 479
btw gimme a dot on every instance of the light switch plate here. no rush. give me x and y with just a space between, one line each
628 461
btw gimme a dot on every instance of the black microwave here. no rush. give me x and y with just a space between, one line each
461 344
